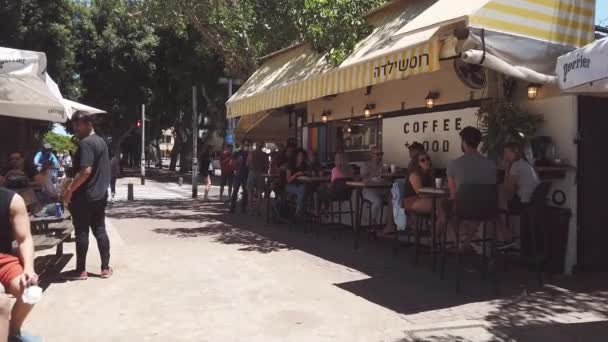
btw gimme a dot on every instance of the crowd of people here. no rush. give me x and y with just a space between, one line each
244 170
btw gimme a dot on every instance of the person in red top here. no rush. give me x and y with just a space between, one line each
16 270
227 165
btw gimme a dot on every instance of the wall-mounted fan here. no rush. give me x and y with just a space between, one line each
474 76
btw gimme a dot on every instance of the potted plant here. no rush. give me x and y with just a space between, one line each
503 122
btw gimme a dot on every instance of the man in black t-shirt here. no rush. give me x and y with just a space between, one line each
88 196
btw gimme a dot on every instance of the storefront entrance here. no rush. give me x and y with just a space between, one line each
593 183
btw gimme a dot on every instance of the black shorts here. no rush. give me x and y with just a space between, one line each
226 180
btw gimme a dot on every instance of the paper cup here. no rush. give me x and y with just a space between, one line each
393 168
438 183
32 295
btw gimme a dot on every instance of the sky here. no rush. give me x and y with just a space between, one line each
601 16
601 12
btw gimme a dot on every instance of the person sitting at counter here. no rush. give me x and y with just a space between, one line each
520 177
373 172
420 175
415 148
314 164
339 174
471 168
297 167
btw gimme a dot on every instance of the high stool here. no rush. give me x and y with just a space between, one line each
532 219
479 203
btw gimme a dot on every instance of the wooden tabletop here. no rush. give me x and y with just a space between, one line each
435 191
370 184
311 179
50 219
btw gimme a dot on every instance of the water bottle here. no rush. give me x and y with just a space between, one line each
58 211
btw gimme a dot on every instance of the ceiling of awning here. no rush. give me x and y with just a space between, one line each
265 126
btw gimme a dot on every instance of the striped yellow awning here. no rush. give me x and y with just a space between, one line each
563 22
397 65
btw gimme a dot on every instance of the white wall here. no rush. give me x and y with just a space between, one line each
561 123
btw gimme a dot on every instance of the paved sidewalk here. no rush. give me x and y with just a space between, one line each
188 271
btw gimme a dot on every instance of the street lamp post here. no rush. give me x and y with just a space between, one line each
143 144
194 144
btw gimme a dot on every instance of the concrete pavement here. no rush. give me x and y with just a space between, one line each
188 271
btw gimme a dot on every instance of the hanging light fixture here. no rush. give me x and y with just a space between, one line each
325 116
368 109
430 99
533 90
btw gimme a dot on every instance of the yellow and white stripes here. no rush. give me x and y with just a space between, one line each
394 66
565 22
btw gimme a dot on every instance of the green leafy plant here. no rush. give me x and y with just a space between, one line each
60 142
503 122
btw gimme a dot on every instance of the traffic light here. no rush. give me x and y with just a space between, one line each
138 123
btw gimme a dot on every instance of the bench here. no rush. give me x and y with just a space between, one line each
51 232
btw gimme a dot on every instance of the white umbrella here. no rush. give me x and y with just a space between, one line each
584 70
24 92
71 107
79 107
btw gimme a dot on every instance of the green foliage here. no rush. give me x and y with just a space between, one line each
242 31
334 26
503 122
59 142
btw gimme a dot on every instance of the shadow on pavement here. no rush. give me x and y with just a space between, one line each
49 267
393 282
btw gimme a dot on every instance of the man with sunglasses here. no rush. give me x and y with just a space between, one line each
373 172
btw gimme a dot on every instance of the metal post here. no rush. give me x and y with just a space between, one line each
194 144
143 144
130 191
180 181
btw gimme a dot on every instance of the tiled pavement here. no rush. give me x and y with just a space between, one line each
188 271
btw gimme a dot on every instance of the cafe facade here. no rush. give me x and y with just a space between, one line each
409 81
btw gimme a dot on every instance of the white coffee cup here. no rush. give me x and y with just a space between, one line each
438 183
32 294
393 168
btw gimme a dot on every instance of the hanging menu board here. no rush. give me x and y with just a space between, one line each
438 132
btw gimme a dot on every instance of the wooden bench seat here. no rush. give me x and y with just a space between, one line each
54 235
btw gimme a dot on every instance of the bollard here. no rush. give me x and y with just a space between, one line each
130 192
180 181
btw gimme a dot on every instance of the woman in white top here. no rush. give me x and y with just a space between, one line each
520 177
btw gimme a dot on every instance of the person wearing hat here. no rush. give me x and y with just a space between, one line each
45 156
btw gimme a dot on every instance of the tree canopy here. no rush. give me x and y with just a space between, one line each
120 54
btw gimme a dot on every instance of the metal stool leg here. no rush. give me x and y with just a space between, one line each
458 264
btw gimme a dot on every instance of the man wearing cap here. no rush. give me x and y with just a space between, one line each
88 196
44 156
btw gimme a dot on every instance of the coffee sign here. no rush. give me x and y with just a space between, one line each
438 132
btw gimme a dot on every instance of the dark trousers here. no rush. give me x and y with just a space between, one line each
240 181
113 185
90 215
